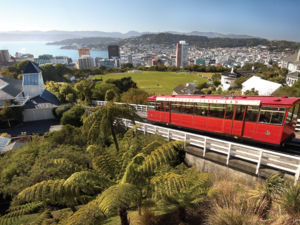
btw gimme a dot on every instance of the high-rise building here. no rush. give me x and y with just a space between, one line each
85 62
181 54
4 56
113 51
83 51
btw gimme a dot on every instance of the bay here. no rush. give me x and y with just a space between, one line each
41 48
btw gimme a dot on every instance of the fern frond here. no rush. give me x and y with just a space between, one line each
116 196
16 211
132 173
88 214
151 147
163 154
106 165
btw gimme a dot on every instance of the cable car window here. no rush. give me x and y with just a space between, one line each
272 115
289 117
251 114
239 114
229 112
216 110
296 112
201 109
166 106
159 106
187 108
151 105
175 107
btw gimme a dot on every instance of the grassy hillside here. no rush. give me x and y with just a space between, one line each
158 82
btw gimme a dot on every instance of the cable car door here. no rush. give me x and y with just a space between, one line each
238 120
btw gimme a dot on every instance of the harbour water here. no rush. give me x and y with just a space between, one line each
41 48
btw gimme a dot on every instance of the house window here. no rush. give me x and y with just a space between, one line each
31 79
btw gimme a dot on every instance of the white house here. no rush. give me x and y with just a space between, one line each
29 93
227 79
292 63
264 87
292 78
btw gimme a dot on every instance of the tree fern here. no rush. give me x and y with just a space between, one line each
133 174
117 196
152 146
164 154
106 165
88 214
16 211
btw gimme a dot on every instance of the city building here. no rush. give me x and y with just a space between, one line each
44 59
85 62
108 63
62 60
181 54
4 56
83 51
113 51
264 87
292 62
292 78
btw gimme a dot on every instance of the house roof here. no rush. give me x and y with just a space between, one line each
292 58
260 85
294 75
181 89
45 100
32 68
11 90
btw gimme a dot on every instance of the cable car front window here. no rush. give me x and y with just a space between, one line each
151 105
290 115
272 115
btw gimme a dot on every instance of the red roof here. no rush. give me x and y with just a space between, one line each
263 100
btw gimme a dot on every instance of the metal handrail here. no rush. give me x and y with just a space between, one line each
284 162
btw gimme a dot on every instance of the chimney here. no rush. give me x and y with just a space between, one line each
298 56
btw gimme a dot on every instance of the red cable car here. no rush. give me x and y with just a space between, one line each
265 119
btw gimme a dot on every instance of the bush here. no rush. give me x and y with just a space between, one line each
73 116
58 112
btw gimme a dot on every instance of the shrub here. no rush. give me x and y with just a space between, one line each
73 116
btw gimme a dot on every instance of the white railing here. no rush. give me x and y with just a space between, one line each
139 108
261 157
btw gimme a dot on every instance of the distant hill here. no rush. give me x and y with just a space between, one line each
62 35
168 39
90 42
206 42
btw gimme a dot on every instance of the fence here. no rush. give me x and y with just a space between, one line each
284 162
139 108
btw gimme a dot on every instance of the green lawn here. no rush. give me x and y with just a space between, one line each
158 82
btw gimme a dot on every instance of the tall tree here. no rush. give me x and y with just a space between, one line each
103 122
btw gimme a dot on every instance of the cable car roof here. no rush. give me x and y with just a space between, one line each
234 100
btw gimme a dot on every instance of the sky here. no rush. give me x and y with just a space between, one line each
272 19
